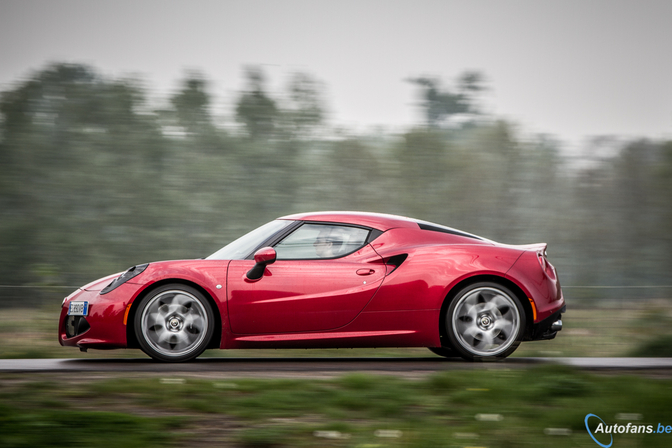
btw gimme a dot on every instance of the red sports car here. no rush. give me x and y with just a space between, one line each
323 280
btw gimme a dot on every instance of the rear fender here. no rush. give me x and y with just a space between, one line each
429 273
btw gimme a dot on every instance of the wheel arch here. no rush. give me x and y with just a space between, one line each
131 337
513 287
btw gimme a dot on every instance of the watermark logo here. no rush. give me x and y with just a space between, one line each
600 428
603 429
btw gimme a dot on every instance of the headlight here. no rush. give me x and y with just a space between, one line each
123 278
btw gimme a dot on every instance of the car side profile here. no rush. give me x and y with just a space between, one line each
327 280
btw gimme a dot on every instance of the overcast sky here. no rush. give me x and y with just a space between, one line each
571 68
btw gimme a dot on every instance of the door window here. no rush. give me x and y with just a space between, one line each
321 241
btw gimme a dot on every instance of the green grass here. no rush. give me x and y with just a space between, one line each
445 409
51 427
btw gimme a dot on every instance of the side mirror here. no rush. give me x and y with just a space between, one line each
263 257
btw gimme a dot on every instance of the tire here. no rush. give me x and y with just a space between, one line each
485 321
443 351
174 323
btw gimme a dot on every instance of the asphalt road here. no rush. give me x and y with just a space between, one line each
318 367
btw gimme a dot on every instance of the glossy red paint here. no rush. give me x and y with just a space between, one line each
389 292
265 255
106 316
540 283
106 312
302 295
369 329
431 270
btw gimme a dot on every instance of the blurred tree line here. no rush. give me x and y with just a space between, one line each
94 180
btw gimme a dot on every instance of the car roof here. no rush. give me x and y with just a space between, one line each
378 221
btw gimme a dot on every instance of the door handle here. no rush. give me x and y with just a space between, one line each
365 271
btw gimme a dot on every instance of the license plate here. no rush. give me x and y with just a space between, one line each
78 309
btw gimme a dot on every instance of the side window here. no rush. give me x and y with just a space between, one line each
315 241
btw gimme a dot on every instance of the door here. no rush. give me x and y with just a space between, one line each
324 276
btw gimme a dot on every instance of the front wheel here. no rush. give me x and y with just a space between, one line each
174 323
485 321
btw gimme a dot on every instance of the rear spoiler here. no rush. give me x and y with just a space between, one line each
538 247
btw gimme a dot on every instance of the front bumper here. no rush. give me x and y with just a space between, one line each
104 326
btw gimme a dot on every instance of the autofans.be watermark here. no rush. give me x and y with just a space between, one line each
603 434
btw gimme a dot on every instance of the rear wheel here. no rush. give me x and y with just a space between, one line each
485 321
174 323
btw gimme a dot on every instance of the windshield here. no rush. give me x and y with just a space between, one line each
243 246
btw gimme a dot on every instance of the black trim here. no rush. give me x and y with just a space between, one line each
75 325
375 233
542 330
342 224
133 271
437 228
395 261
256 272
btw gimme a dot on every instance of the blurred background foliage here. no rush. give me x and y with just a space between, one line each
94 179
